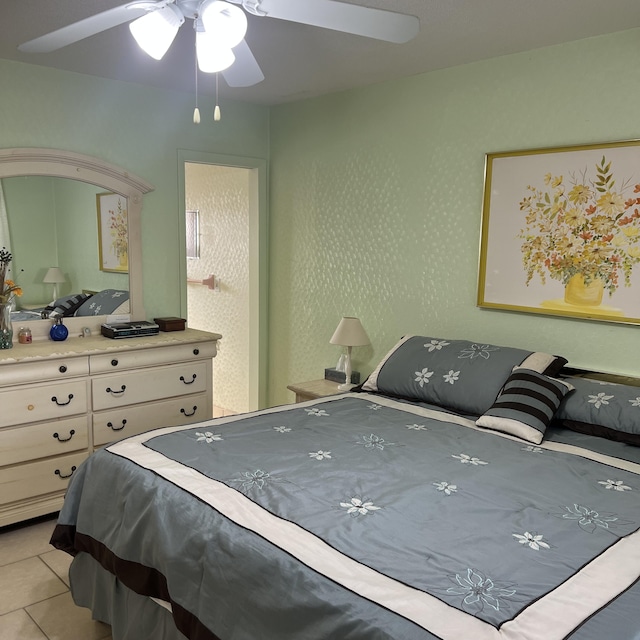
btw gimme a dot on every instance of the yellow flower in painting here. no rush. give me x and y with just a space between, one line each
602 224
526 203
565 245
620 240
545 226
634 252
631 232
611 203
536 243
574 217
547 178
556 182
597 251
580 194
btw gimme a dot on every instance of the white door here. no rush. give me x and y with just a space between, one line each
221 213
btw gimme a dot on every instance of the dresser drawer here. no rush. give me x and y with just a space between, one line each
20 373
42 440
121 360
130 421
150 384
38 478
21 405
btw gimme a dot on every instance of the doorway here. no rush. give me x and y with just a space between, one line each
223 231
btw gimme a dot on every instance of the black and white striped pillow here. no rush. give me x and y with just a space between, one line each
67 306
525 405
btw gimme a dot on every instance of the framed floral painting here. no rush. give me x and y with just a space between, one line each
113 235
561 232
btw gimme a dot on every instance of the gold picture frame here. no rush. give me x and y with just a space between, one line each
561 232
113 234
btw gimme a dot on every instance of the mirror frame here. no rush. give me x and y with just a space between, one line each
26 161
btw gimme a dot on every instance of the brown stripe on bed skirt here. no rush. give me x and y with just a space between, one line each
143 580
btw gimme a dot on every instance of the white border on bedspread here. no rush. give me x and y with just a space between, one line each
551 617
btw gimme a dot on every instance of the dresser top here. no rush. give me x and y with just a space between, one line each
95 344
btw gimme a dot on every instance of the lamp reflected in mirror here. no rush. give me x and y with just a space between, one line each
54 276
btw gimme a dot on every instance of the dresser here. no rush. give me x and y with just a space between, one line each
60 401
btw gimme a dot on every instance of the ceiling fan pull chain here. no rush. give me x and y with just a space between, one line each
216 111
196 111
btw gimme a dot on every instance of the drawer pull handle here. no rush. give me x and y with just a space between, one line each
110 425
188 415
59 439
193 379
62 369
62 404
62 476
114 363
196 352
113 392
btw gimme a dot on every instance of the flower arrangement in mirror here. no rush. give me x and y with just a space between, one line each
119 234
8 291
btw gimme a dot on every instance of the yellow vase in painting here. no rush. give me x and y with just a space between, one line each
582 294
123 259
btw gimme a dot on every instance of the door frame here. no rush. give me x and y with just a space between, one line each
258 260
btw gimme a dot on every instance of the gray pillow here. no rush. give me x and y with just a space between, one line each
602 409
105 302
525 405
457 374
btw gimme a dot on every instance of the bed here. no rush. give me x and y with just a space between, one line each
465 491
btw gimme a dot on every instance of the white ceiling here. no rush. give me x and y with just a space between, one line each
301 61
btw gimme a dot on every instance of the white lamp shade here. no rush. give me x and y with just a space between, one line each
224 22
350 333
211 57
156 30
54 275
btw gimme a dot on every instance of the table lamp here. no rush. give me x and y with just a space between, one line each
349 333
54 276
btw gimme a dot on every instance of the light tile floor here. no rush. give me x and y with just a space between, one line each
35 601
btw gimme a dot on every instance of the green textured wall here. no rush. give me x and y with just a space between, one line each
138 128
376 199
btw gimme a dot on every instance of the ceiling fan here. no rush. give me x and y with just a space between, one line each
220 27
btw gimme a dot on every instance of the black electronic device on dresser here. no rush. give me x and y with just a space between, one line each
129 329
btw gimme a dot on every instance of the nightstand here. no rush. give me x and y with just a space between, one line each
314 389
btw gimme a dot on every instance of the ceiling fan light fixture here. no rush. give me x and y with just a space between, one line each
211 56
225 22
155 31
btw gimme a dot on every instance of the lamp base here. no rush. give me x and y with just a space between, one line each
345 387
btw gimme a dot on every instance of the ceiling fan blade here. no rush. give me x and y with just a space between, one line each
245 71
341 16
84 28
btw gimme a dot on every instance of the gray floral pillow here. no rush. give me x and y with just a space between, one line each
105 302
602 409
462 375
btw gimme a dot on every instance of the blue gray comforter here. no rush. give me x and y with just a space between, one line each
360 517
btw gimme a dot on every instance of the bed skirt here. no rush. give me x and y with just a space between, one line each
131 616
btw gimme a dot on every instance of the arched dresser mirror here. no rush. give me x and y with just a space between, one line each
56 163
